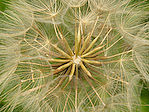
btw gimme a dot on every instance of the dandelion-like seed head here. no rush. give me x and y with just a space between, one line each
71 56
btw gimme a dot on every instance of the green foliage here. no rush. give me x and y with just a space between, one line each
3 4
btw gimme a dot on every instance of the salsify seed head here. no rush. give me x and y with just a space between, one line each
73 55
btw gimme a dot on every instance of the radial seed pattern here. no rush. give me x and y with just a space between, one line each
72 56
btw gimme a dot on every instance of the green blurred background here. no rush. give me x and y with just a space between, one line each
2 5
145 91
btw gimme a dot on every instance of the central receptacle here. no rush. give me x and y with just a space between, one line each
76 59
